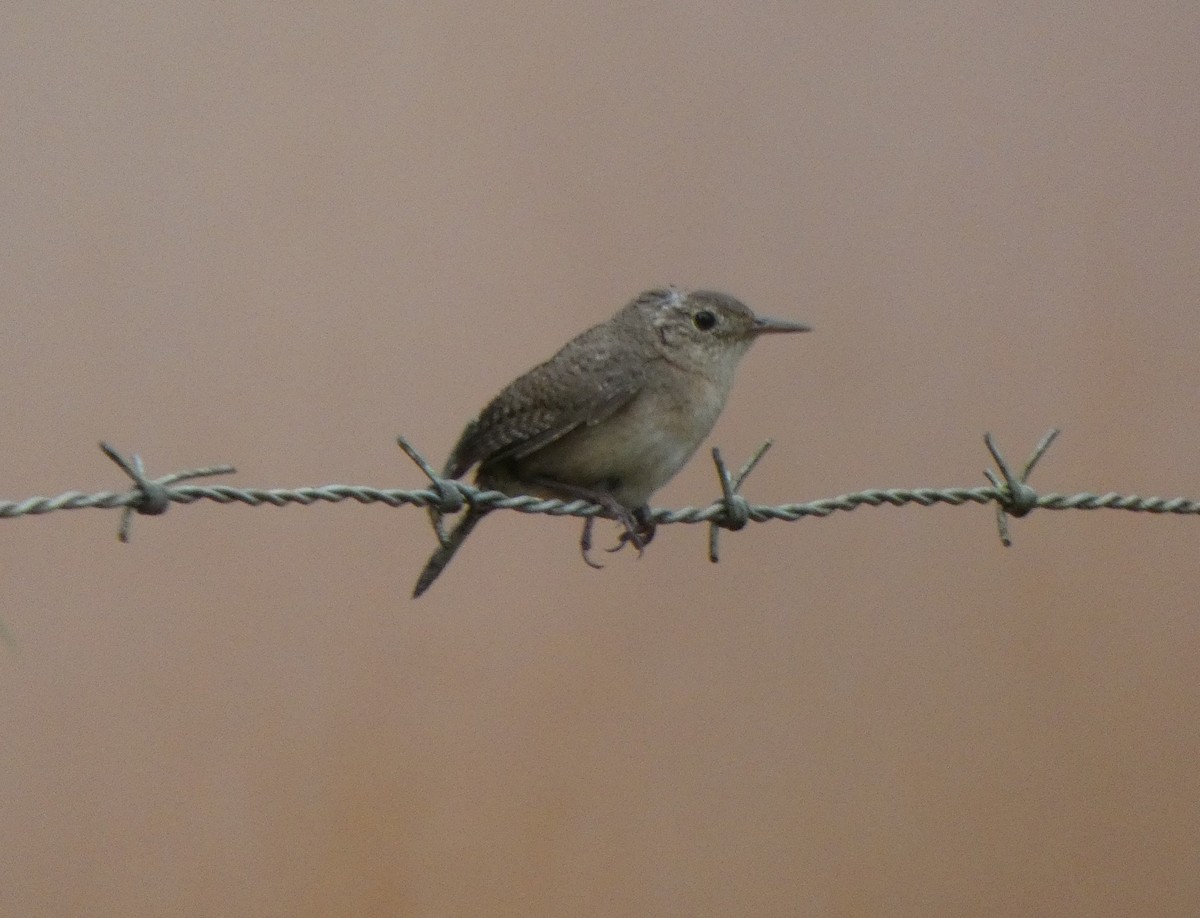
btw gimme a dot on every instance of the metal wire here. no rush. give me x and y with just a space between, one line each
1010 492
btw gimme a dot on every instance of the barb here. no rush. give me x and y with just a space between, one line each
1011 493
150 497
451 501
1016 498
737 511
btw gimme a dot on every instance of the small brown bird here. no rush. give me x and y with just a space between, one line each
613 415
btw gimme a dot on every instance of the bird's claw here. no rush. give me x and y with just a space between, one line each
585 544
637 529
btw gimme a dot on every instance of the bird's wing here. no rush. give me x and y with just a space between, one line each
586 382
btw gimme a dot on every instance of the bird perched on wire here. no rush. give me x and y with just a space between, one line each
612 416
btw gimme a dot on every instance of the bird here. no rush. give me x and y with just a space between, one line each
612 416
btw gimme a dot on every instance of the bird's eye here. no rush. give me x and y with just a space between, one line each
704 320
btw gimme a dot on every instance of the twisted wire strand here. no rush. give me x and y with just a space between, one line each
1010 492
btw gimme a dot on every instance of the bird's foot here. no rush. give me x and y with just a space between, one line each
637 524
639 530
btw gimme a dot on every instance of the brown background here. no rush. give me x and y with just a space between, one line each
280 237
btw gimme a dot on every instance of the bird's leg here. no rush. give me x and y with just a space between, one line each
637 526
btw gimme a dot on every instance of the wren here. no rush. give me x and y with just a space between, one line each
613 415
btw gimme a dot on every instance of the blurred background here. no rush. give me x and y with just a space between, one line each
278 235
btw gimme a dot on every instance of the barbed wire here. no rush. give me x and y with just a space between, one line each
1009 491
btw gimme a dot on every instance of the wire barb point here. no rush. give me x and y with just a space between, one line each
448 498
151 497
736 509
1014 496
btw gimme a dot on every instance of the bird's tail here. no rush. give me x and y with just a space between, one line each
441 557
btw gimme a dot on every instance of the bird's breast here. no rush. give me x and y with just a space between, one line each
639 448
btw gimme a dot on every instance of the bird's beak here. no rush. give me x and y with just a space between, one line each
765 325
